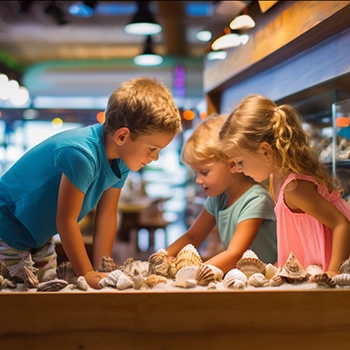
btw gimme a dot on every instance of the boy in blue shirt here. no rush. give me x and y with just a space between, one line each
60 180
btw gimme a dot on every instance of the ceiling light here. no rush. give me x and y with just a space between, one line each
204 35
143 22
148 57
228 40
242 22
83 9
216 55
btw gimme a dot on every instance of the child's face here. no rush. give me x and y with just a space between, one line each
144 149
257 167
214 177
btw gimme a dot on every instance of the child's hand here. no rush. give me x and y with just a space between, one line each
93 277
332 273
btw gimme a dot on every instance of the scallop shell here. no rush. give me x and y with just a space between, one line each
342 279
271 271
65 272
52 286
133 267
111 279
257 280
344 267
153 280
30 280
188 256
324 280
107 265
186 277
292 271
160 264
207 273
232 276
250 264
124 282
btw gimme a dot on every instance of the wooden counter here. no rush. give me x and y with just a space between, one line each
317 319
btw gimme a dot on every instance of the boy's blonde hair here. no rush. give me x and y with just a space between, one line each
203 144
257 119
144 106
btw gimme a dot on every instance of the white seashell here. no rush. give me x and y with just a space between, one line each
111 279
133 267
82 284
257 280
232 276
17 269
185 274
48 275
238 284
249 254
138 279
342 279
124 282
271 271
314 269
211 286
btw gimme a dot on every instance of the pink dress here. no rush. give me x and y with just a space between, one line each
301 233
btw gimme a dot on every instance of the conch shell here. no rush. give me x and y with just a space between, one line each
250 264
292 271
107 265
160 264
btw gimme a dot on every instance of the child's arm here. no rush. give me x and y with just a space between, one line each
242 239
105 225
196 234
70 200
304 198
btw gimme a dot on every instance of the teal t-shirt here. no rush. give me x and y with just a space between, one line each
29 189
255 203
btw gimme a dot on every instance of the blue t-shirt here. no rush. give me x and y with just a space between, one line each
253 204
29 189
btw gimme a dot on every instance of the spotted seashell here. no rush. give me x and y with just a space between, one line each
342 279
160 264
30 279
270 271
250 264
111 279
107 265
4 271
133 267
324 280
65 272
52 286
186 277
292 271
232 276
314 269
276 281
188 256
344 267
82 284
124 282
207 273
257 280
48 275
153 279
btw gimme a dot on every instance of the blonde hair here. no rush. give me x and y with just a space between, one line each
257 119
203 144
144 106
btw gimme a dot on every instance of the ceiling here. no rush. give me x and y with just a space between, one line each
92 56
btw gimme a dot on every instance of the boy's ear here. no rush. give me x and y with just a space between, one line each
232 165
121 135
265 149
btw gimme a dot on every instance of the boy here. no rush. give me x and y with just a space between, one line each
56 183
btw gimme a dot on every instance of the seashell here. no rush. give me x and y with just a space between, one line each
4 271
30 280
276 281
107 265
270 271
153 280
324 280
111 279
48 275
133 267
250 264
124 282
52 286
257 280
138 279
344 267
65 272
17 269
186 277
160 264
188 256
314 269
342 279
1 279
6 283
292 271
207 273
211 286
232 276
238 284
82 284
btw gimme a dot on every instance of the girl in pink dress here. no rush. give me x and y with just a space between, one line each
268 141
